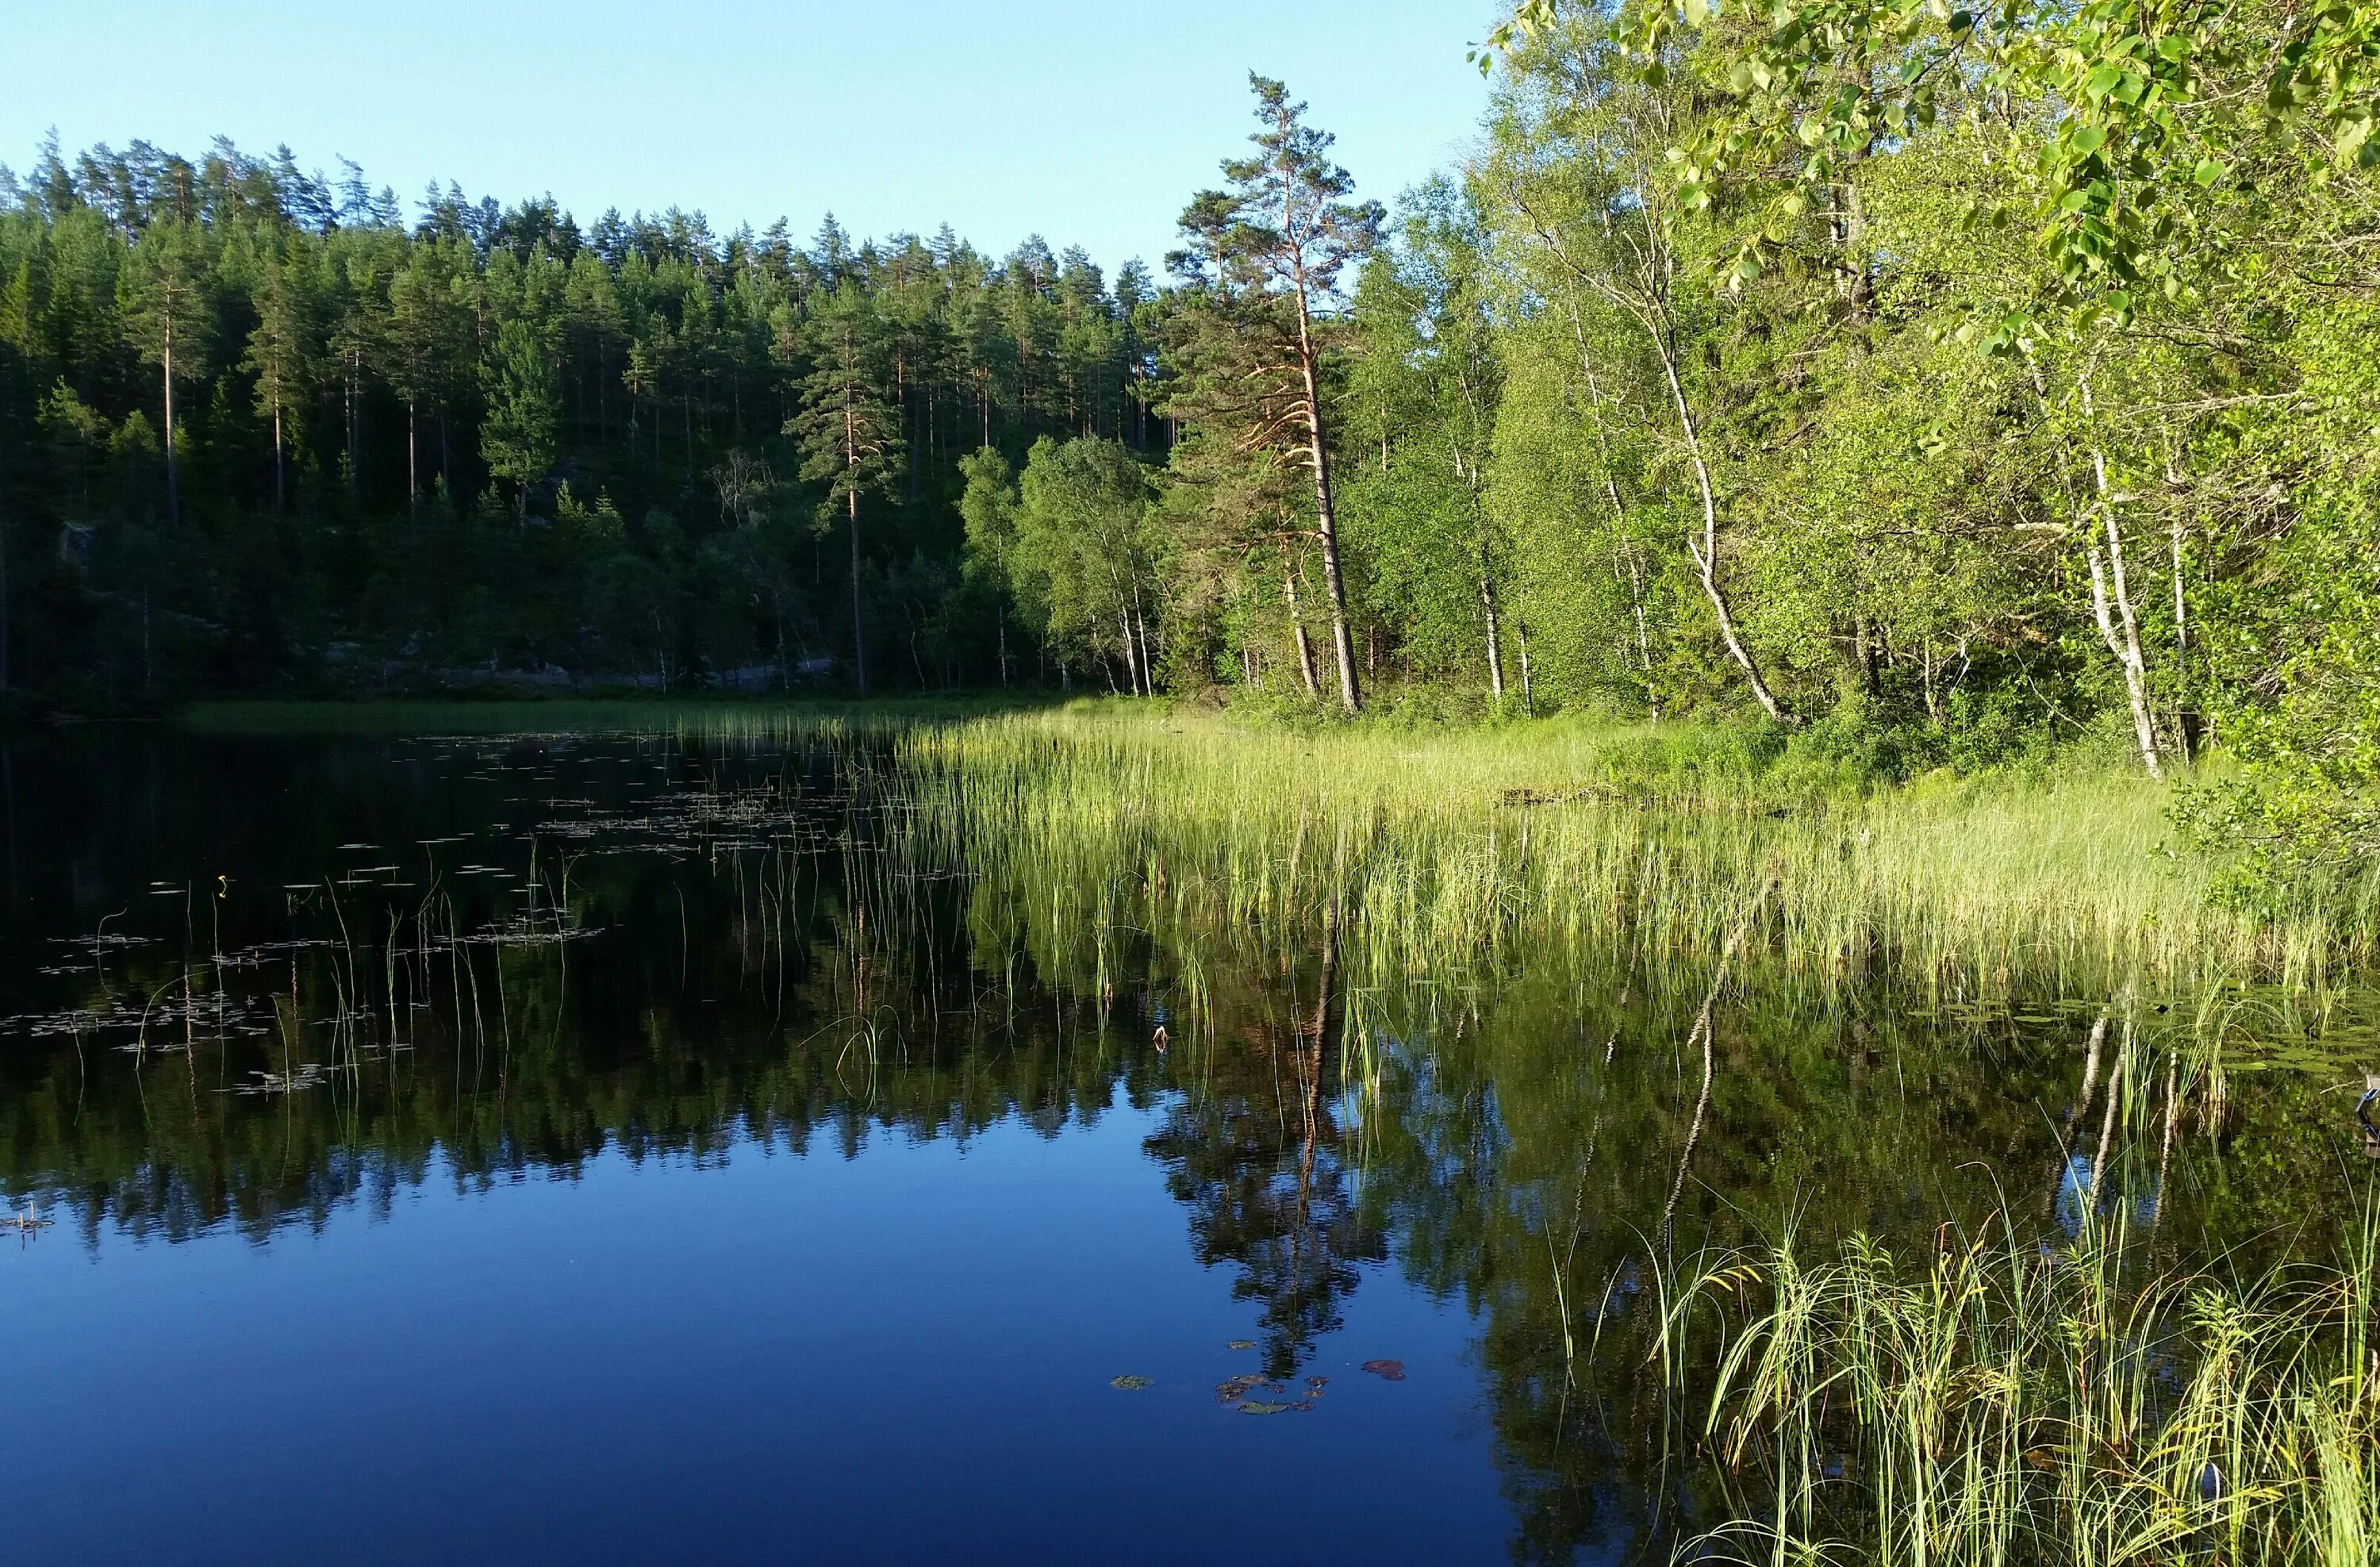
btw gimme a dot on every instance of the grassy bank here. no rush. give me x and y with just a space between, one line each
1445 847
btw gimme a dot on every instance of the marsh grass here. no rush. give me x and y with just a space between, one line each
1999 1402
1450 848
1454 852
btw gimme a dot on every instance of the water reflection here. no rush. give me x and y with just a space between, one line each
258 985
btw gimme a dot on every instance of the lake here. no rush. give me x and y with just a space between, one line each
612 1146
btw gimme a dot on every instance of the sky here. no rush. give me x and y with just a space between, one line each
1087 123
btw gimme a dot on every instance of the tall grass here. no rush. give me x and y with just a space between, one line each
1453 846
1450 848
2001 1403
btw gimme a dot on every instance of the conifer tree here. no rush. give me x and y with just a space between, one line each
524 408
162 307
848 429
1265 256
280 355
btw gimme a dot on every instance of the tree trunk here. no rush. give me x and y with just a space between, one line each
1495 653
1618 519
851 499
1326 522
2111 603
173 475
1644 643
2124 642
1297 630
858 633
280 485
1528 690
1705 551
1131 654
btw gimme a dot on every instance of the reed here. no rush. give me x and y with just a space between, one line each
2001 1403
1454 847
1454 850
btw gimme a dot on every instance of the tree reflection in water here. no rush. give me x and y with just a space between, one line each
776 945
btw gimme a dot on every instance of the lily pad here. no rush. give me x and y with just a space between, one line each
1241 1343
1257 1406
1386 1370
1130 1384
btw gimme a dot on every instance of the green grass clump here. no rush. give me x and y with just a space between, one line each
2001 1403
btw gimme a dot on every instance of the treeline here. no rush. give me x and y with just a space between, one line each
260 432
1931 385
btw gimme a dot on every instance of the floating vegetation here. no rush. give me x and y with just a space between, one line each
308 1076
1130 1384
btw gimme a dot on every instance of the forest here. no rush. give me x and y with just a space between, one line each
1929 388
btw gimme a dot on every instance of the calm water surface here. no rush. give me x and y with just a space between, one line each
578 1147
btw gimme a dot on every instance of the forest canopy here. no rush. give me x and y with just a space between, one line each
1930 386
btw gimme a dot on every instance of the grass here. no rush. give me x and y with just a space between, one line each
1450 847
1998 1402
1454 846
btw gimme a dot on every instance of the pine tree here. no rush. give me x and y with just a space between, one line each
426 342
1265 256
524 398
280 355
848 429
163 306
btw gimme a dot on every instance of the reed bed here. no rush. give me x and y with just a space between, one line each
1448 849
1451 848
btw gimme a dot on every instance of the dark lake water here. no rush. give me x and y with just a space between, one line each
629 1147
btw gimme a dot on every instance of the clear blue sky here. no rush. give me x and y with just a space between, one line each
1088 123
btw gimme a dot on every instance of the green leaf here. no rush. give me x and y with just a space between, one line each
2207 172
1697 12
2090 138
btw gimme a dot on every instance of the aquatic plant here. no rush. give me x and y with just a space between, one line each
1449 848
1998 1401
